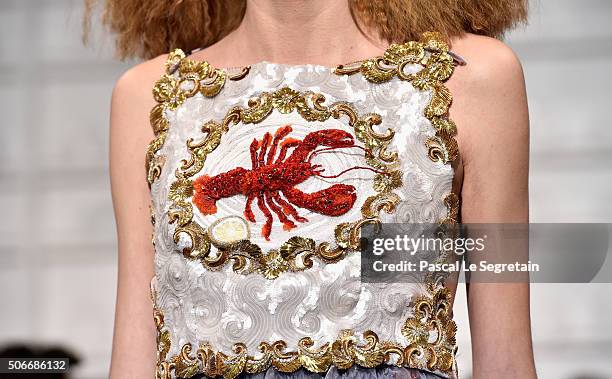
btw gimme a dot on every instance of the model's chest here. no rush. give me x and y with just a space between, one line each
295 154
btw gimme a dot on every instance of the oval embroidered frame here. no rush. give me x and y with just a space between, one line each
297 253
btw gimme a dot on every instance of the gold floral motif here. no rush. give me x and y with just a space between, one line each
308 104
344 235
180 189
430 344
168 92
199 150
447 228
244 71
443 145
158 122
388 182
273 264
297 253
245 256
154 170
437 67
258 109
152 219
284 100
385 201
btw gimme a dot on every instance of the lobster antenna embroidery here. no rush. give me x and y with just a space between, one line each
351 169
272 175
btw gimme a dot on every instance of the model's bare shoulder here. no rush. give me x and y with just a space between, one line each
491 65
488 92
135 85
132 101
130 126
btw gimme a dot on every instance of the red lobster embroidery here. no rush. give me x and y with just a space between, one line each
270 177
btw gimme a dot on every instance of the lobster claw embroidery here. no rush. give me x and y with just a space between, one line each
272 175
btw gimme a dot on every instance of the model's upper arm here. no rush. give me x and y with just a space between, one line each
490 109
134 344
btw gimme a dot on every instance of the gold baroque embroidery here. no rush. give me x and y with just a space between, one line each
183 79
452 203
431 332
438 66
297 253
164 368
430 345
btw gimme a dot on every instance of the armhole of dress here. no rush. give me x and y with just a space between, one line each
438 68
457 164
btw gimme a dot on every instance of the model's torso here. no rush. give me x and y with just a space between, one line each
257 223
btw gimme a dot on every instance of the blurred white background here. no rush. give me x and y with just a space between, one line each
57 242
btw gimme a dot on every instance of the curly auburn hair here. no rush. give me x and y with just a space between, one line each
148 28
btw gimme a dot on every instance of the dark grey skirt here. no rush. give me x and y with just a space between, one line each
355 372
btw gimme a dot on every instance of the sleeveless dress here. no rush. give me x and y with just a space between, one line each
261 180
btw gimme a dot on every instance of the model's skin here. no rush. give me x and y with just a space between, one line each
490 109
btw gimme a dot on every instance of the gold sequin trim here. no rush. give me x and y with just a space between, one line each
164 369
437 67
297 253
452 203
429 345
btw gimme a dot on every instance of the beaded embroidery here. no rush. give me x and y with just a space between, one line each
271 175
297 252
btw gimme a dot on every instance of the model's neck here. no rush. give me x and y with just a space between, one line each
296 31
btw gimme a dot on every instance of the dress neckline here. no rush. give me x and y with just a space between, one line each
267 63
438 46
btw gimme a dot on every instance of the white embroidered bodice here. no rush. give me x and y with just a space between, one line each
232 295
